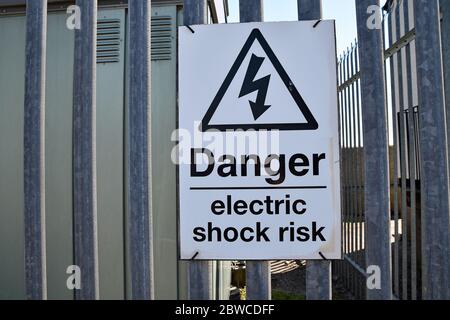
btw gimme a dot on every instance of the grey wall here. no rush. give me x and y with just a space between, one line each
12 66
164 172
58 164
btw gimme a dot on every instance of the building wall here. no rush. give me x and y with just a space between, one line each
12 66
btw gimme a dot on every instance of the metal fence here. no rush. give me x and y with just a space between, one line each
406 228
406 180
84 151
352 269
418 190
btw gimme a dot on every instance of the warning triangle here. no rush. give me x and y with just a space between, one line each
260 86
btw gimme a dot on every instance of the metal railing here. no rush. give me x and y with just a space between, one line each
84 151
352 268
418 167
406 164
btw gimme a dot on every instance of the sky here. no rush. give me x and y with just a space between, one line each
343 11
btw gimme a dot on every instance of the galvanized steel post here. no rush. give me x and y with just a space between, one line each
309 9
445 9
84 151
258 279
139 151
199 272
433 153
376 157
34 150
257 272
318 273
251 10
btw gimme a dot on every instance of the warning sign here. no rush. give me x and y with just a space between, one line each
258 148
260 86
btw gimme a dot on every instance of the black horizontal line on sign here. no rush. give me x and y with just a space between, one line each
259 188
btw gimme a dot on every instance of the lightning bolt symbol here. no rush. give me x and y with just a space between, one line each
251 85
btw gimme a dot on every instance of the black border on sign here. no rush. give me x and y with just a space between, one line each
256 34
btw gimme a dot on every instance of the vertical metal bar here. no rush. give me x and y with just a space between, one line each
350 167
84 151
360 182
356 162
340 99
139 150
412 181
374 112
445 8
345 161
251 10
341 269
403 159
259 285
341 141
352 175
309 9
341 102
194 12
445 38
361 221
411 159
354 172
34 150
355 150
361 173
343 168
347 166
200 280
434 173
402 150
383 30
395 159
359 169
318 280
318 273
258 280
355 209
199 272
343 184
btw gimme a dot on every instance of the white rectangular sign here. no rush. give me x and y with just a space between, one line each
258 142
